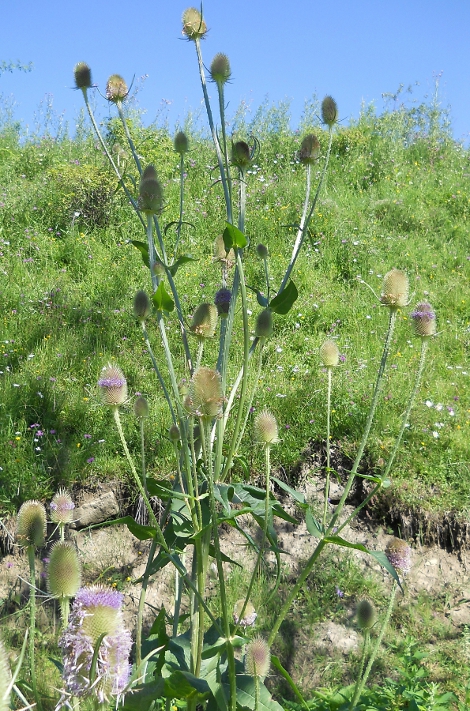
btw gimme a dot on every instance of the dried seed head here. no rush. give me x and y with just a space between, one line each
194 26
141 305
222 302
265 428
398 553
82 74
62 507
5 679
64 570
309 149
258 658
241 155
116 89
220 255
220 68
204 321
329 111
329 354
112 385
264 324
205 398
141 407
174 433
395 289
150 192
262 251
249 616
181 143
31 524
424 320
365 615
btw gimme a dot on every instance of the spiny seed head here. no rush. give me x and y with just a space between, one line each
395 289
309 149
112 385
220 255
142 307
5 679
103 610
222 301
204 321
174 433
116 89
265 428
159 268
62 507
249 616
264 324
365 613
181 143
329 111
262 251
31 524
329 354
424 320
150 192
398 553
194 26
205 398
220 68
82 74
258 658
241 155
141 407
64 570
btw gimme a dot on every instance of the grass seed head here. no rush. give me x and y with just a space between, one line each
329 111
113 386
82 74
329 354
31 524
220 69
194 26
116 89
258 658
64 570
395 289
424 320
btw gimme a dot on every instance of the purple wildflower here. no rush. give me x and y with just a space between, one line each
398 553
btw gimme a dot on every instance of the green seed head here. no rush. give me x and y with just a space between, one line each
204 321
102 617
220 68
116 89
174 433
424 320
205 398
141 407
264 324
142 305
395 289
62 508
31 524
64 571
329 354
258 658
113 386
241 155
365 615
181 143
265 428
194 26
309 149
150 192
329 111
262 251
82 74
5 679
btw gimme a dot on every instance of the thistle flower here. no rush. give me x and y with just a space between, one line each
309 149
150 192
222 302
365 613
31 524
264 324
64 570
205 398
204 321
395 289
181 143
329 111
82 74
113 386
398 553
5 679
262 251
96 611
329 354
241 155
265 428
194 26
249 616
62 507
258 658
424 320
220 69
141 407
141 305
116 89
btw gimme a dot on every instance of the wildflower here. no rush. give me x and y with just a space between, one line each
265 428
424 320
249 616
194 26
222 301
395 289
31 524
116 89
62 507
398 553
329 354
258 658
113 386
205 398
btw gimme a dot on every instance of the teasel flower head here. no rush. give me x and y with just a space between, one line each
205 398
309 149
249 616
424 320
113 386
194 26
365 614
398 553
116 89
64 570
204 321
329 354
142 307
174 433
220 255
262 251
258 658
220 69
395 289
96 611
82 74
329 111
141 407
222 301
264 324
150 192
31 524
5 679
265 428
181 143
241 155
61 507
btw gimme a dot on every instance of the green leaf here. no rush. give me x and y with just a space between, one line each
277 664
379 556
94 661
246 695
296 495
224 557
233 237
144 250
177 222
144 696
184 685
162 300
283 302
261 298
312 524
184 259
142 533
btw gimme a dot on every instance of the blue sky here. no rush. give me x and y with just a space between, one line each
354 51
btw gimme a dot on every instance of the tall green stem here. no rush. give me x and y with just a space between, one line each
32 621
328 449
